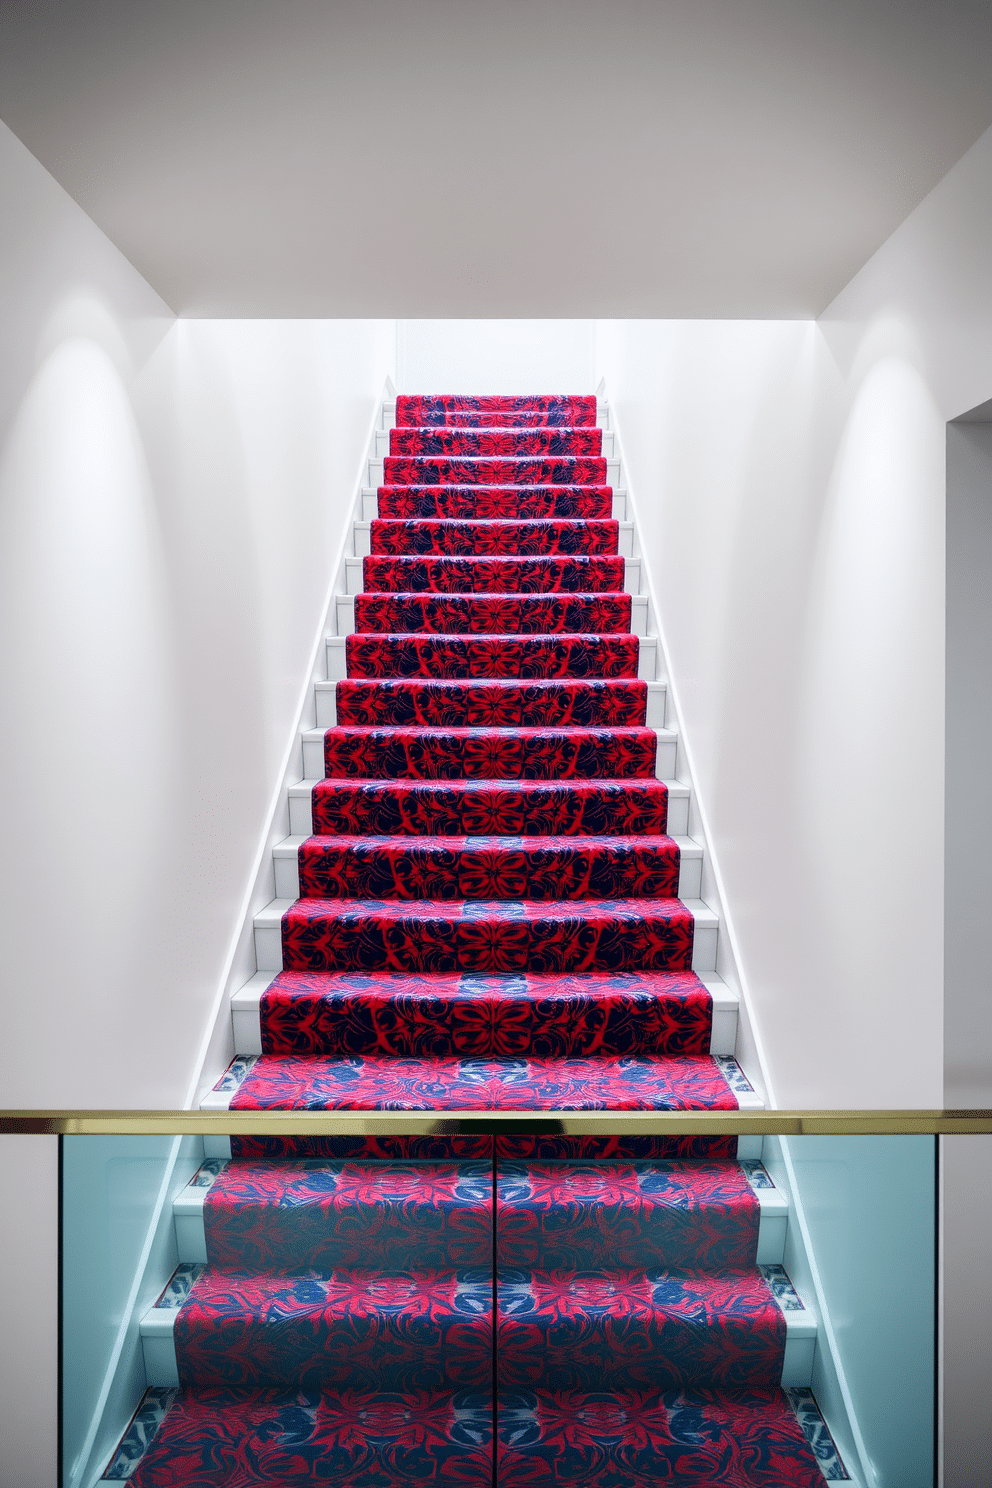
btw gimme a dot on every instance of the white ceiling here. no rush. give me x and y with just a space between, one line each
497 157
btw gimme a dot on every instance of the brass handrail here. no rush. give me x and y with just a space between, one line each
448 1123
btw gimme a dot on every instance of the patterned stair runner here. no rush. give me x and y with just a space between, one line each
488 919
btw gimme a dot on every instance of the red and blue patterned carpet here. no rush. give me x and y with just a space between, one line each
489 919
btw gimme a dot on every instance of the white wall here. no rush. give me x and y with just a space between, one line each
28 1302
495 356
796 551
968 789
172 496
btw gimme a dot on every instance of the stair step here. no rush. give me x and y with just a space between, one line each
486 935
342 1013
511 615
304 1214
500 657
405 573
419 1329
662 1328
402 747
493 502
286 1215
301 795
607 1431
500 470
455 808
438 408
266 1436
397 753
713 1215
634 934
444 1083
558 703
566 868
549 440
480 537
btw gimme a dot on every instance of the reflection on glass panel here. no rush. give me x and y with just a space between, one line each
604 1311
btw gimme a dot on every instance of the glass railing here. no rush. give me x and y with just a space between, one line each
640 1298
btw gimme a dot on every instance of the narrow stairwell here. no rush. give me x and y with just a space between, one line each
488 907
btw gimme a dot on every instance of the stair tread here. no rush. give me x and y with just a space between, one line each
496 1016
389 1082
564 654
436 612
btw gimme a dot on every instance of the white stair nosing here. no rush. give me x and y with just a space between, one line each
217 1100
800 1324
271 916
248 998
724 997
189 1200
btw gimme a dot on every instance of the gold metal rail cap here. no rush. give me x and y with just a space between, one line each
449 1123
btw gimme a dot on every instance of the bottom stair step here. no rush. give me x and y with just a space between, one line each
685 1439
220 1438
747 1438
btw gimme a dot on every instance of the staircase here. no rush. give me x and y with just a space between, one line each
490 903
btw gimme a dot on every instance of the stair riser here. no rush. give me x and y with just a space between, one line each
494 574
511 657
603 439
550 1217
408 754
494 503
497 539
538 808
439 470
484 614
513 1148
475 1029
597 574
326 1235
370 1348
468 703
687 882
313 1025
635 1342
314 940
507 705
540 443
360 870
